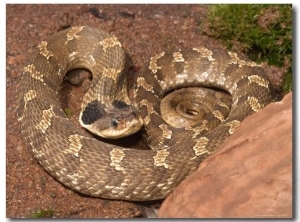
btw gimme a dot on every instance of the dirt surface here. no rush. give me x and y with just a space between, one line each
143 30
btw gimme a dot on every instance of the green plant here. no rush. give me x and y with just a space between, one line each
68 112
263 32
42 213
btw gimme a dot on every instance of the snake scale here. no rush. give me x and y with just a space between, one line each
100 169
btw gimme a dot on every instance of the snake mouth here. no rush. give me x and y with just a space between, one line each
116 128
121 129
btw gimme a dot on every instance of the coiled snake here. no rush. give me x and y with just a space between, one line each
100 169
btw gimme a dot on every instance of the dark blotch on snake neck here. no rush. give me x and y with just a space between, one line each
92 113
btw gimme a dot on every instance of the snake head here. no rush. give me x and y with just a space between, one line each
115 121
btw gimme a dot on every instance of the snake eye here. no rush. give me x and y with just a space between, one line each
114 122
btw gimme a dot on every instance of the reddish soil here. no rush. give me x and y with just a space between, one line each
144 30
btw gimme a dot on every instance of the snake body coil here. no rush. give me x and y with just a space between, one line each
100 169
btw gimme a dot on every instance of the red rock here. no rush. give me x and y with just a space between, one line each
250 176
